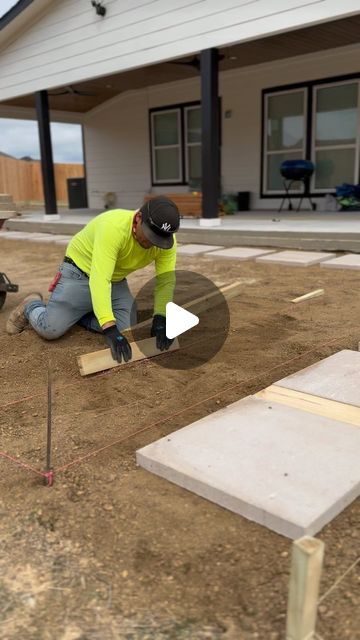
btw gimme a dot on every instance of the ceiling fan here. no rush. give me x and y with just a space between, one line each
194 61
69 90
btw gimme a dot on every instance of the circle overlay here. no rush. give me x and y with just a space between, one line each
198 295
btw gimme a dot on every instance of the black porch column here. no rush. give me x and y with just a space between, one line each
47 165
210 136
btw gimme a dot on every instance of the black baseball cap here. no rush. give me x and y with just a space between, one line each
160 220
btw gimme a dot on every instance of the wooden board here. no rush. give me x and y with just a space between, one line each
312 404
102 360
308 296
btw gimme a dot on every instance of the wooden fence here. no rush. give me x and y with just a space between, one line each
22 180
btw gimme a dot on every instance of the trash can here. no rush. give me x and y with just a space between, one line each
243 200
77 195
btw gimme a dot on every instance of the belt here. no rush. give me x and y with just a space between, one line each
69 261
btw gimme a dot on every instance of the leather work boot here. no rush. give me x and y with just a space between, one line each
17 321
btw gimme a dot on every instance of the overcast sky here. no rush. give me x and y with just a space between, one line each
5 5
20 137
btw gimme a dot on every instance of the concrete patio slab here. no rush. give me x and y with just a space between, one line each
297 258
322 231
335 378
264 462
241 253
350 261
196 249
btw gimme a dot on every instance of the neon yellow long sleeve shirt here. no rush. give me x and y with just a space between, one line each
107 251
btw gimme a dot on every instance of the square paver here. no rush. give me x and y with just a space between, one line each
349 261
14 235
264 462
297 258
195 249
60 240
241 253
42 237
335 378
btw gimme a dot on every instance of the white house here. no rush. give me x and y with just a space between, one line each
161 86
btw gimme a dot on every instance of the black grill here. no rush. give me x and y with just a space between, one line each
296 171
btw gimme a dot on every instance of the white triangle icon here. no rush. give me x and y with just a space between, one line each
178 320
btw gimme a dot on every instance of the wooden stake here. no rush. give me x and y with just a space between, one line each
308 296
102 360
306 566
312 404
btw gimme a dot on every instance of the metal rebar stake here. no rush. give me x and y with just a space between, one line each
49 475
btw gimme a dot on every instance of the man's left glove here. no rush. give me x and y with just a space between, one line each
158 330
120 347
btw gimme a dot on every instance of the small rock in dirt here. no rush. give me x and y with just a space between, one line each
108 507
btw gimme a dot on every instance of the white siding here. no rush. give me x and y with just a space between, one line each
69 42
117 133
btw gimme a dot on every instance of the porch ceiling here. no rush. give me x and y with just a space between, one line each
337 33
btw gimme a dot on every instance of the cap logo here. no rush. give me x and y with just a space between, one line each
166 226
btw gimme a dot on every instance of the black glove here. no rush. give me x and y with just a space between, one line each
158 330
120 347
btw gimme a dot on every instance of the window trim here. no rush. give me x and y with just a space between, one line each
181 107
266 153
310 84
355 145
186 143
177 146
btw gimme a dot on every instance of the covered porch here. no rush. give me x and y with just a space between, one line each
228 148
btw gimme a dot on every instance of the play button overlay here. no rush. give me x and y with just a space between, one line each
195 311
178 320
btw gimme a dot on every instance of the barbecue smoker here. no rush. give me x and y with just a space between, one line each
6 287
296 171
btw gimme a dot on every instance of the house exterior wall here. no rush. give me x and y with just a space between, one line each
67 42
117 137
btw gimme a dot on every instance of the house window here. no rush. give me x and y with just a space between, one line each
176 145
318 121
166 146
336 135
284 134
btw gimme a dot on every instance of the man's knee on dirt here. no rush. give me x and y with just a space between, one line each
45 327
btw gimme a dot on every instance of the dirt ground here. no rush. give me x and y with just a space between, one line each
113 552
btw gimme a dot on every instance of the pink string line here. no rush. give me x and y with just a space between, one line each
49 475
196 404
24 465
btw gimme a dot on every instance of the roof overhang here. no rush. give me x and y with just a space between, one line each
309 40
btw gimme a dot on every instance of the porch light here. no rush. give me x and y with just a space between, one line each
100 10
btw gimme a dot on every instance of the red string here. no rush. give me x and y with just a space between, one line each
49 475
196 404
24 465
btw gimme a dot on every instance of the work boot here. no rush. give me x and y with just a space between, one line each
17 320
